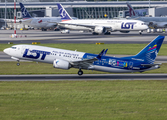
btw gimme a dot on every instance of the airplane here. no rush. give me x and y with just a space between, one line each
99 26
38 22
66 59
155 22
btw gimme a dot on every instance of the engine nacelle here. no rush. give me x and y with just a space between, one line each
161 25
100 30
61 64
124 31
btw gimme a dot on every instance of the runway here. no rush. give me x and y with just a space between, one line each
76 37
75 77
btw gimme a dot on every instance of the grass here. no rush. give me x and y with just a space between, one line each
83 100
122 49
7 68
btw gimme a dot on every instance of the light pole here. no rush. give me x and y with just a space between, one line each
5 14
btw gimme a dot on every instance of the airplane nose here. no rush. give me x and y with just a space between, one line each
146 26
6 50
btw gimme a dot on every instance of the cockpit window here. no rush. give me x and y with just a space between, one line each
13 47
143 24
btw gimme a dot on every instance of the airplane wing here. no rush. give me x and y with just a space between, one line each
89 26
83 63
87 62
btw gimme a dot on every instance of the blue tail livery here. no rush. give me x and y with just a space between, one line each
66 59
149 53
63 13
25 13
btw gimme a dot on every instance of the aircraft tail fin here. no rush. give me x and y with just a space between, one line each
63 13
149 53
132 12
24 12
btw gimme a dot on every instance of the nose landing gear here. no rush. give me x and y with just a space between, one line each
140 32
18 64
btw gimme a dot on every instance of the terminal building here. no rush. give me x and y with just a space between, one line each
80 9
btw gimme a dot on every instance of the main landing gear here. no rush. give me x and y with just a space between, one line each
43 29
80 72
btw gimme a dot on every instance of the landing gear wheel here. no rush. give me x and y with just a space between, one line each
107 33
18 64
80 72
140 32
95 33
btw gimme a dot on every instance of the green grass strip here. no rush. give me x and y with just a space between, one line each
7 68
83 100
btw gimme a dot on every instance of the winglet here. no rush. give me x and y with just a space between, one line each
105 52
24 12
100 54
63 13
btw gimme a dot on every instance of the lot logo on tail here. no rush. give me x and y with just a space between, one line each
24 11
62 12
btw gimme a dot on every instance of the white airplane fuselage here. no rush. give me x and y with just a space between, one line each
111 25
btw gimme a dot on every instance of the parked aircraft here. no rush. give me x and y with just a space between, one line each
97 26
156 22
66 59
38 22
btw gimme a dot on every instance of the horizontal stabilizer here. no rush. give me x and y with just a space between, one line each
27 20
150 65
101 54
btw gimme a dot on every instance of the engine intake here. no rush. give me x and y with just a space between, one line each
100 30
61 64
124 31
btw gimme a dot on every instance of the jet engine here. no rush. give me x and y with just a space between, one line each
61 64
100 30
162 25
124 31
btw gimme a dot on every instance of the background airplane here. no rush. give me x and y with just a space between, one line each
156 22
66 59
41 22
100 26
